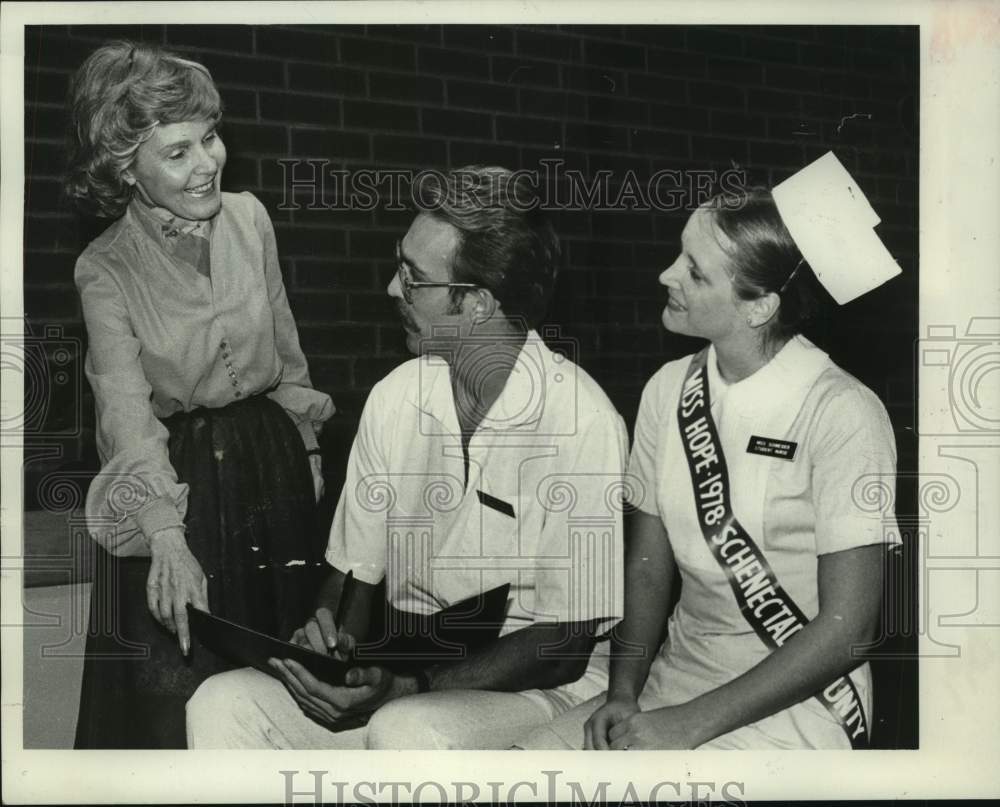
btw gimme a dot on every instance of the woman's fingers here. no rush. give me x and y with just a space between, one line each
193 590
181 621
617 730
153 600
599 734
596 731
153 592
625 742
171 585
166 602
202 600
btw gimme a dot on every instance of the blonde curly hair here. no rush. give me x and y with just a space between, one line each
118 97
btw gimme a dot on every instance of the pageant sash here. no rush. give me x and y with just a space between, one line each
771 612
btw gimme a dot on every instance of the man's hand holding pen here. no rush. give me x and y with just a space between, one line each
322 634
365 688
332 706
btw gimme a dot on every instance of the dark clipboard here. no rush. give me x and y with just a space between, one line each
412 641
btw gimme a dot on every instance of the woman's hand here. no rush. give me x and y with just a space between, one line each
175 579
316 466
672 727
615 709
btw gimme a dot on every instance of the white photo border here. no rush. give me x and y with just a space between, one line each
959 211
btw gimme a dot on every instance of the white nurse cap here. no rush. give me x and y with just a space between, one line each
832 224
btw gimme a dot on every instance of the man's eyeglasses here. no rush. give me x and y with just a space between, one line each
407 285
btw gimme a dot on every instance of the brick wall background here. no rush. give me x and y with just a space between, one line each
768 99
618 98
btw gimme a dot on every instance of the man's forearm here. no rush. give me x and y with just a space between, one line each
536 657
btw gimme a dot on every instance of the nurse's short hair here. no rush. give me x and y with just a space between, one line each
507 243
763 257
117 98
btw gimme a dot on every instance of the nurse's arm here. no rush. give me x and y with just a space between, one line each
850 585
649 574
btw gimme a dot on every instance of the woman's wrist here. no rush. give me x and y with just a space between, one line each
158 514
167 538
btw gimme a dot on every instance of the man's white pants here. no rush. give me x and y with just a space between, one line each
248 709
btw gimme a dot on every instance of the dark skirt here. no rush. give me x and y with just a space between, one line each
251 523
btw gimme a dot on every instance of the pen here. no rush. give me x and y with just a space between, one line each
346 594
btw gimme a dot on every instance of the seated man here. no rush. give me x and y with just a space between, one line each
489 459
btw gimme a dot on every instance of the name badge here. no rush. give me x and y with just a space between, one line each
769 447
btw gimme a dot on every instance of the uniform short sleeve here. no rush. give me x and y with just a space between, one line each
357 535
642 470
853 453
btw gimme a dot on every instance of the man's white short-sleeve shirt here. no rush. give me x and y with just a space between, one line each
540 508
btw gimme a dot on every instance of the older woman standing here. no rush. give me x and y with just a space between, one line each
749 454
206 417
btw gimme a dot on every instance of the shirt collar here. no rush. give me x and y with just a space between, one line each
520 403
796 364
164 227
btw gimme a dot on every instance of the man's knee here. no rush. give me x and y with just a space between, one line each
219 703
407 723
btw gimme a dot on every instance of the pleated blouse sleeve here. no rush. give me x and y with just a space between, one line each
136 493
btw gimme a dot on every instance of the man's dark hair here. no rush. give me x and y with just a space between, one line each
507 244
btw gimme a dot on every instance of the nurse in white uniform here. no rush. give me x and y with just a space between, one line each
747 466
